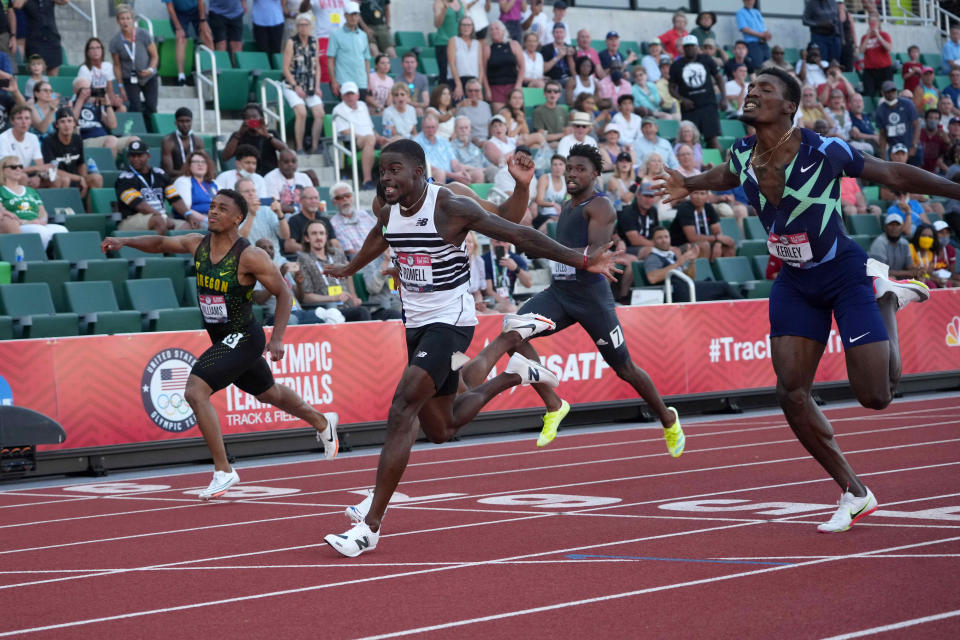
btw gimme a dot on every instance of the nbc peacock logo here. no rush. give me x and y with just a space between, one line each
953 332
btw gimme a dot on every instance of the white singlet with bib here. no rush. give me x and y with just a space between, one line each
434 274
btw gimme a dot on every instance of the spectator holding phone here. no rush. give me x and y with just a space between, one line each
502 268
96 118
135 54
254 132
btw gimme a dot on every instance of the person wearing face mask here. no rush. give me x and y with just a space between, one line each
928 258
897 123
254 132
612 86
892 248
246 164
933 140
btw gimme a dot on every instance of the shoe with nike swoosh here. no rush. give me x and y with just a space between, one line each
222 481
328 437
527 325
358 512
850 510
354 541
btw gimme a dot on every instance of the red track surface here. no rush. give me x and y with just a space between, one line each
601 535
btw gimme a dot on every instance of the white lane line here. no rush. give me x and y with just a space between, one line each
903 624
196 605
637 592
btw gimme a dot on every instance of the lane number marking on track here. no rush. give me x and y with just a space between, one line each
949 513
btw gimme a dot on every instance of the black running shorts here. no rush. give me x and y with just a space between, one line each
237 358
431 346
591 306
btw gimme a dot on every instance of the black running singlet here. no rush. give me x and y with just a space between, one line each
572 232
226 305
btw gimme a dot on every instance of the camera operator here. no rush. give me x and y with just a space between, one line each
95 118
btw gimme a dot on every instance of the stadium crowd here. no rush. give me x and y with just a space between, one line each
493 79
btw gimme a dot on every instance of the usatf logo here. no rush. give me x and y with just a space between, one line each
953 332
161 388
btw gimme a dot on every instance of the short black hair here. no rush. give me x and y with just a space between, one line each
407 148
253 105
790 85
238 200
589 152
245 151
936 239
624 98
743 42
929 111
657 227
182 112
410 54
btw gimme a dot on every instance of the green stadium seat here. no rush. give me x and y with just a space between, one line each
854 79
183 319
712 156
6 328
941 82
533 97
725 142
30 243
429 67
760 266
277 60
96 304
130 123
102 156
759 289
736 270
129 253
791 54
730 228
754 228
31 307
552 230
234 88
639 274
866 224
863 240
77 245
252 60
109 180
102 224
169 268
360 286
752 248
222 58
151 294
482 189
114 270
934 60
52 272
190 293
704 270
410 39
667 128
103 200
61 84
163 122
59 202
871 193
732 128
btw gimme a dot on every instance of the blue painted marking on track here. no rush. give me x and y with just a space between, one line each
586 556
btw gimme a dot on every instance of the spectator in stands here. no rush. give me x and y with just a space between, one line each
740 56
877 62
196 187
267 20
926 95
415 81
226 23
301 82
664 258
863 135
64 150
10 96
379 84
651 62
502 61
184 15
262 221
835 82
824 23
933 140
502 269
583 82
751 24
135 55
893 249
697 222
354 112
778 60
537 22
585 50
310 211
852 199
690 84
514 113
464 59
709 47
532 62
613 86
321 289
671 39
441 106
141 192
41 24
650 172
348 53
952 91
511 13
686 162
18 141
383 303
285 183
294 279
929 259
736 88
558 63
836 107
468 154
911 69
688 134
498 146
636 221
647 97
651 142
477 283
8 27
948 251
37 69
917 203
627 120
95 117
897 123
253 132
946 112
581 124
100 73
477 111
180 143
375 22
247 158
23 202
440 155
611 148
950 54
45 106
350 224
551 191
612 52
811 66
399 119
810 110
447 15
551 118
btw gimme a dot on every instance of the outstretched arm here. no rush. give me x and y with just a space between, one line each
904 177
674 187
154 244
257 263
373 247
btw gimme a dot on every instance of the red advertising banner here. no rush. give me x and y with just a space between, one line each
108 390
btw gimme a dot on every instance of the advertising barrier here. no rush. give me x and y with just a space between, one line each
123 389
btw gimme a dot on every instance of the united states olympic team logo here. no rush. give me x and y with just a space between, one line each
161 388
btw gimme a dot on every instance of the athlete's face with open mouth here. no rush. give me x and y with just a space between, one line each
764 102
397 176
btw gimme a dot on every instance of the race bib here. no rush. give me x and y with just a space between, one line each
794 248
416 272
214 309
894 130
561 271
334 290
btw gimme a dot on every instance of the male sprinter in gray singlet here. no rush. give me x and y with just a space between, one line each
228 267
578 297
425 225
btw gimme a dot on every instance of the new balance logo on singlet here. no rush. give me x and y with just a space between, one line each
421 222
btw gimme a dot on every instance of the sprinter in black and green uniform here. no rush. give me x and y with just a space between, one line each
228 267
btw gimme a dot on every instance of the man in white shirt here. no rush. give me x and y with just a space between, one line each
649 142
627 120
581 124
350 223
18 141
246 159
536 21
353 111
559 15
285 183
262 221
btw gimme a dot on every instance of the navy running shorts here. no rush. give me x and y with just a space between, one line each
431 346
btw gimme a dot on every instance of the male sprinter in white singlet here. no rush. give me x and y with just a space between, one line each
425 226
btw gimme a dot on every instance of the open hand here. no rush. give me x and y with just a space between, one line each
670 187
603 261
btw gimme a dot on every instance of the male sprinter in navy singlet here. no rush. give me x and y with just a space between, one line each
228 267
578 297
425 225
792 178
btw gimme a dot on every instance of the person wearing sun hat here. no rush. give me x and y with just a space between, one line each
582 124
